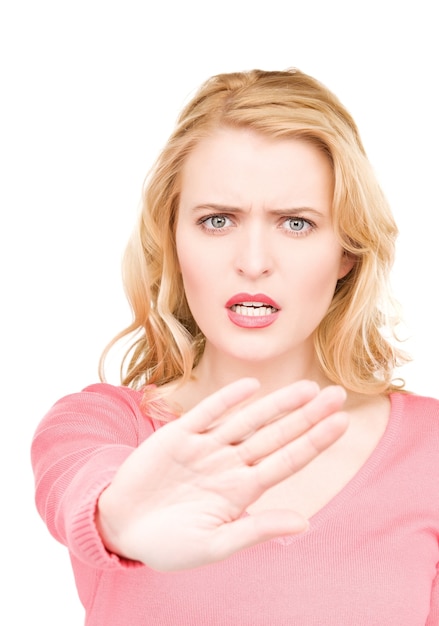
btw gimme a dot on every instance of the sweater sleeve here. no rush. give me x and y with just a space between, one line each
76 450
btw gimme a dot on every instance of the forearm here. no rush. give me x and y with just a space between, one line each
77 449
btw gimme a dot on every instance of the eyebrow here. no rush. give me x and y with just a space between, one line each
222 208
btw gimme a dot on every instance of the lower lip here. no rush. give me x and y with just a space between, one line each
252 321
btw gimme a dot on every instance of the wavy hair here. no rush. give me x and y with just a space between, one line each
355 342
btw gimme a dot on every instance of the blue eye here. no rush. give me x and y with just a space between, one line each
297 223
216 222
297 226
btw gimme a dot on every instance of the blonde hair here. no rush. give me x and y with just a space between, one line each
354 342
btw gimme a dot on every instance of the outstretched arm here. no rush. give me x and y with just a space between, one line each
178 499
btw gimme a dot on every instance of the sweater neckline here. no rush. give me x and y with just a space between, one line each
369 467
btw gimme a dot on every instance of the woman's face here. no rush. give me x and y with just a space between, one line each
257 250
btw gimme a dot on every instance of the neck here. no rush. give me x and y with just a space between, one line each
217 370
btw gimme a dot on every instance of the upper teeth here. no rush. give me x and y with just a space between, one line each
253 308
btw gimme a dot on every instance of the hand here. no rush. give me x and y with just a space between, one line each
177 501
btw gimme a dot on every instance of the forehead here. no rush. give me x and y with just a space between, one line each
245 167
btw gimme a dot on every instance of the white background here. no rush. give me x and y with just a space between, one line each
90 92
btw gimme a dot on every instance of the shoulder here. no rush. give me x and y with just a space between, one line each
104 392
101 408
416 405
101 397
417 415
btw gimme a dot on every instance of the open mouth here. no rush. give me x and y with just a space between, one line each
253 309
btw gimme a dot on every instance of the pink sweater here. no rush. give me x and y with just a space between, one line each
370 557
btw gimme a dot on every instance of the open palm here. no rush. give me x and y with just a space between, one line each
178 501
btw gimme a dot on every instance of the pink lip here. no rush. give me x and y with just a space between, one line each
239 298
252 321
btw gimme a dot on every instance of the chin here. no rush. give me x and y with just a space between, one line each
255 356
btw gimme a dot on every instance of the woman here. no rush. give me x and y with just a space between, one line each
258 465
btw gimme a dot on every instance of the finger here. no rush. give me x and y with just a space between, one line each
214 406
292 457
279 433
252 529
250 418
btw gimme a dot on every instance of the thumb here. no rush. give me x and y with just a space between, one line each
250 530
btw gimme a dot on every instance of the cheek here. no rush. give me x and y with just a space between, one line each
194 269
198 287
199 260
320 278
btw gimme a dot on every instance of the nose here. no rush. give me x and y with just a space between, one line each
254 254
